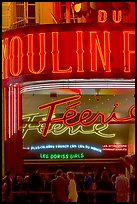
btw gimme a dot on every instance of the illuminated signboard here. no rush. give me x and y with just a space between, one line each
72 132
85 51
59 129
114 147
62 156
71 118
62 140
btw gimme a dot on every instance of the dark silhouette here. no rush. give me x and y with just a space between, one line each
7 187
59 188
46 186
105 185
132 186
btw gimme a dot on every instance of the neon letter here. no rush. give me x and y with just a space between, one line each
80 51
127 52
55 55
119 18
19 56
42 53
94 44
69 115
102 16
5 73
52 107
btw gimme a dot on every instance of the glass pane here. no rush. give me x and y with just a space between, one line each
31 10
19 10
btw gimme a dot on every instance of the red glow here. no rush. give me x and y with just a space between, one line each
18 107
5 112
84 117
19 56
12 109
94 44
127 52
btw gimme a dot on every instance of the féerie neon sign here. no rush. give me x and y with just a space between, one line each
59 129
71 118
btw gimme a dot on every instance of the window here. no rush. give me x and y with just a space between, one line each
62 11
25 13
31 12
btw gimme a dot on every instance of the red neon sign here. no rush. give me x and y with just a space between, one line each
114 147
96 54
85 118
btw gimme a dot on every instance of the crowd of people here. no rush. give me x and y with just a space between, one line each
69 187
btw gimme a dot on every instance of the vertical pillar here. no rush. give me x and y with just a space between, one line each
67 12
13 146
19 141
4 125
5 155
13 14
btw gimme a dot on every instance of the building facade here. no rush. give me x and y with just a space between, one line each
68 84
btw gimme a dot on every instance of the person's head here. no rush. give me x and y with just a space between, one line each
105 176
59 172
113 178
133 172
121 170
45 177
70 175
19 178
8 172
85 172
26 179
37 171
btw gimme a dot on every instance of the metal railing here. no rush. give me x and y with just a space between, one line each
41 196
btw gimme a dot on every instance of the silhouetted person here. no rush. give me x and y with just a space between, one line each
7 187
59 188
46 186
87 185
35 184
122 188
73 195
87 180
105 185
132 186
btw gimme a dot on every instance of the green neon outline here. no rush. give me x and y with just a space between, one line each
71 130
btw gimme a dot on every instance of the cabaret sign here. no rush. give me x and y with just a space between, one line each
72 118
69 54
